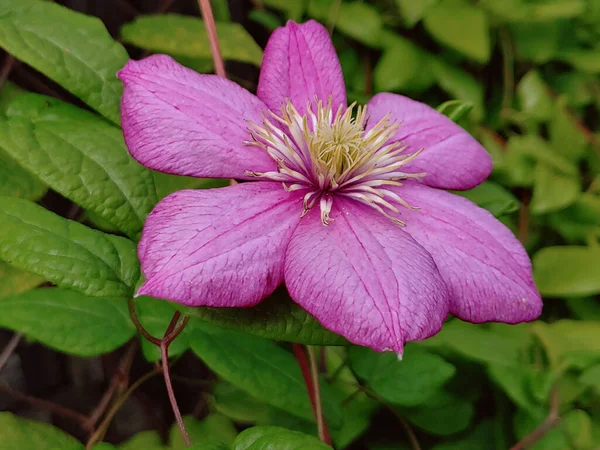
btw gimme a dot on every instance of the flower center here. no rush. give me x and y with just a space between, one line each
331 153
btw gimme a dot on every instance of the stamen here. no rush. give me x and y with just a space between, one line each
329 152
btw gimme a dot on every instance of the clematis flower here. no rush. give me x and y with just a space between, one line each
344 204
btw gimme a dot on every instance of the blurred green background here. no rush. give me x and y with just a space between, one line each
522 76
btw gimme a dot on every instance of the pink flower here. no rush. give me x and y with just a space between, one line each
346 205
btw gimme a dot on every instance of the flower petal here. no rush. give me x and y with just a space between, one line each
178 121
452 158
218 247
299 63
485 267
365 278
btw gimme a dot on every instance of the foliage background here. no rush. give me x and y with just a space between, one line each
520 75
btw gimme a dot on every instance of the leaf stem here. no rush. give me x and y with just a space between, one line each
310 373
211 30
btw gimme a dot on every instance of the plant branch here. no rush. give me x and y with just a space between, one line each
49 406
98 435
211 30
172 332
550 422
310 373
318 404
139 326
9 349
174 329
118 383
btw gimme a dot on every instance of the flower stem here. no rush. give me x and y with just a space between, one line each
174 329
170 335
310 373
211 30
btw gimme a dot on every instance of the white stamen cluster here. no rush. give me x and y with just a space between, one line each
331 154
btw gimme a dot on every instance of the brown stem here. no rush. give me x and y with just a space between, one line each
9 349
49 406
166 4
118 383
550 422
318 404
139 326
170 335
311 378
211 30
7 66
98 435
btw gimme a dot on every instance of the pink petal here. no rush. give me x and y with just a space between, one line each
452 158
178 121
300 63
218 247
485 267
365 278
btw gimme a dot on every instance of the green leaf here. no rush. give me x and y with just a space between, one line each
387 376
146 440
455 110
514 380
167 184
567 271
566 136
493 197
460 26
260 368
155 315
591 377
238 405
212 431
361 22
70 48
534 96
82 157
293 9
14 281
443 414
8 92
459 84
537 42
186 36
275 438
553 191
474 341
24 434
580 220
16 181
478 439
565 338
355 19
585 60
277 317
413 11
402 66
537 150
265 18
68 321
66 253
